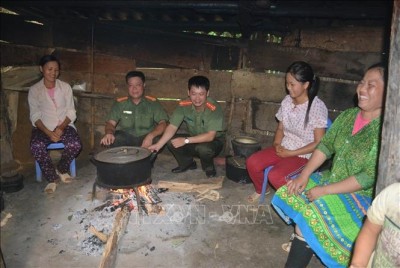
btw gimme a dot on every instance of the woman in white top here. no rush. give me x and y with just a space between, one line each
52 113
302 121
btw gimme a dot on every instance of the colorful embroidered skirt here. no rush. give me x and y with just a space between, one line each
330 224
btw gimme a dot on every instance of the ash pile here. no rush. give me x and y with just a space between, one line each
177 210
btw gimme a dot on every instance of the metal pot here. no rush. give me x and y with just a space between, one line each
123 167
236 169
245 146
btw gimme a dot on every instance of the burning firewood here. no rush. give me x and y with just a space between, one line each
101 207
148 194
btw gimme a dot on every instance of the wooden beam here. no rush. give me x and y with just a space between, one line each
389 168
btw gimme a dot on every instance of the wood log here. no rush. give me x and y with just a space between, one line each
389 168
110 250
190 187
103 237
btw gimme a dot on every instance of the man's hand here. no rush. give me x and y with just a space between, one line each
107 140
178 142
283 152
154 147
147 141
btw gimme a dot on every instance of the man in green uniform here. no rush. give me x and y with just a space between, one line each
205 123
139 118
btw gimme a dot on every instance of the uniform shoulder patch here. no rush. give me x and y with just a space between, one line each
151 98
185 103
211 106
122 99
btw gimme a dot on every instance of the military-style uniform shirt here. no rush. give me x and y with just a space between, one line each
137 119
211 119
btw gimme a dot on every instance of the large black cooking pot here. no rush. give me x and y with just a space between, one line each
236 169
244 146
123 167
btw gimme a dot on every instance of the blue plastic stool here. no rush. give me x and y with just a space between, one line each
55 146
266 171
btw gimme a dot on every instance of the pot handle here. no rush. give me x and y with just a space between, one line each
153 156
94 161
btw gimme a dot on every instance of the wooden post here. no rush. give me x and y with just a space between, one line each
389 159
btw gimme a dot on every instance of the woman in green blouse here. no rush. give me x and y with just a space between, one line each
328 209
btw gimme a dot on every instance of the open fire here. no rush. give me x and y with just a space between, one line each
144 199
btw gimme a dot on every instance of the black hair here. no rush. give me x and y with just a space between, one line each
135 74
47 58
382 68
199 81
303 73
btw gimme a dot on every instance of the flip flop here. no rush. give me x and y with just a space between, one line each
253 197
64 177
286 246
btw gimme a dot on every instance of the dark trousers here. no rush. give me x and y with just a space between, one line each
39 143
123 138
206 151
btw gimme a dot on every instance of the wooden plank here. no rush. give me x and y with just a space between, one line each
344 65
156 49
27 55
192 187
173 83
110 250
350 39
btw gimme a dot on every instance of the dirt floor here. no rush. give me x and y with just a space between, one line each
52 230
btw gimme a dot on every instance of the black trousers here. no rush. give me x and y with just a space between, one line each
123 138
206 151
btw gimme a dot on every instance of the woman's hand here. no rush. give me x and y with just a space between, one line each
283 152
315 193
297 186
59 131
53 136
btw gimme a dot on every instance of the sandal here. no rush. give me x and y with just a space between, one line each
253 197
65 177
50 188
286 246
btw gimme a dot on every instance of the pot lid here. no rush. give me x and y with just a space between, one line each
245 140
122 154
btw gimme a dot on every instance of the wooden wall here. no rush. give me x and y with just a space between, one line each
248 80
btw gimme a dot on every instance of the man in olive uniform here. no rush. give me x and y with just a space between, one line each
139 118
205 123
